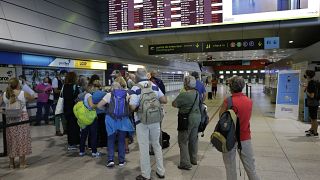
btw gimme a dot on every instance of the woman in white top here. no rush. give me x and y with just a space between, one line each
18 137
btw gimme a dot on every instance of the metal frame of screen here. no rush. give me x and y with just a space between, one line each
222 12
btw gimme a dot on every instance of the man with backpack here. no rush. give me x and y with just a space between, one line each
146 99
242 106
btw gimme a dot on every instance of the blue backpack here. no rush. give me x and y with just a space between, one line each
118 106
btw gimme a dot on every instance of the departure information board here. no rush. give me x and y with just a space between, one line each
145 15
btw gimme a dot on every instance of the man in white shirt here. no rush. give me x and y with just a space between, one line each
146 132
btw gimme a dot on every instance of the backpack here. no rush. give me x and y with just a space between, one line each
149 110
165 140
118 106
13 112
317 93
84 115
204 119
227 130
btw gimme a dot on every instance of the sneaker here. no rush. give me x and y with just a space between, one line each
160 176
121 164
110 164
185 168
140 177
312 134
58 133
96 155
72 148
81 154
309 131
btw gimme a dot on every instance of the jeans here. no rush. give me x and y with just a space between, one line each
144 133
40 106
121 145
247 159
93 136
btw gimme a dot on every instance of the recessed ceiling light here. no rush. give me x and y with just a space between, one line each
274 51
157 56
282 51
141 45
290 42
162 57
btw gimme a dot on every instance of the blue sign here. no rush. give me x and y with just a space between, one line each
35 60
288 89
272 43
10 58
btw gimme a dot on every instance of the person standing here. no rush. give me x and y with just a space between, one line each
18 137
199 86
146 132
43 89
157 81
312 103
242 105
57 84
188 139
214 86
117 121
70 94
117 76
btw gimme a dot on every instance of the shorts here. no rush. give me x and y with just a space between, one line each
313 112
214 89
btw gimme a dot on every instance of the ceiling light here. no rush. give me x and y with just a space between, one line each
141 45
162 57
282 51
290 42
156 56
274 51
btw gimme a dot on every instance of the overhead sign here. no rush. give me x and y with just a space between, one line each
81 64
6 74
60 62
214 46
287 102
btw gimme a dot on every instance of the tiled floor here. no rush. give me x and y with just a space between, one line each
281 150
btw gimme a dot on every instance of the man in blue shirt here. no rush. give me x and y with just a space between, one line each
199 86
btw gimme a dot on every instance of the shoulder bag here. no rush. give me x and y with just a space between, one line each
183 118
59 107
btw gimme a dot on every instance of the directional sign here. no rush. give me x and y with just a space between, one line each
272 43
212 46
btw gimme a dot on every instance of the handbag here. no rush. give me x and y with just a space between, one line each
59 107
183 118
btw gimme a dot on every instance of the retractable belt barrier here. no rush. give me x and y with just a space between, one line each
249 90
4 126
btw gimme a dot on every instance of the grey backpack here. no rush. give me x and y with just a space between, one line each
149 110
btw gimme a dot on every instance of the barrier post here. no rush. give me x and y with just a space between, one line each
4 123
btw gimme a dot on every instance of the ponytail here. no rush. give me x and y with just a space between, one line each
13 84
10 95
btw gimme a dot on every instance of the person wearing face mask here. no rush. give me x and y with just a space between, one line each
43 90
312 103
57 84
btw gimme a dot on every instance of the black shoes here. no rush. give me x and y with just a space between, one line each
140 177
185 168
312 134
160 176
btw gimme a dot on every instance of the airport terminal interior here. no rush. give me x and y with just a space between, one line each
78 68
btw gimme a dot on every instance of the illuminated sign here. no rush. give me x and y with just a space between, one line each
90 65
148 15
209 46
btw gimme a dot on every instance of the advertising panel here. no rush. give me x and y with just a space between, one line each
288 90
146 15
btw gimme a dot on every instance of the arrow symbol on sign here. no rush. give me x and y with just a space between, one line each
197 45
260 43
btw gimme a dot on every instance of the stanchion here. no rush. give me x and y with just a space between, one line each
4 123
247 89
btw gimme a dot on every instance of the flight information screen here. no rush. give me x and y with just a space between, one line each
144 15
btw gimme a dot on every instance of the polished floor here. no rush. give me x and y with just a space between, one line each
282 152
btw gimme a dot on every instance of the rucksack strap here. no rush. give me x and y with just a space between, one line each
230 105
193 103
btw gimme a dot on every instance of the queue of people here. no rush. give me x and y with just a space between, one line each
144 99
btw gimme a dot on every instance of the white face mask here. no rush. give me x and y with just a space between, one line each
46 84
20 81
63 78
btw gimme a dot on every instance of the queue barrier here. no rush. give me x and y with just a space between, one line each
249 90
5 125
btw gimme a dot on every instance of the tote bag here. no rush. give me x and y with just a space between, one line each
59 107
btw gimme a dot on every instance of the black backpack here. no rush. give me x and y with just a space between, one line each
227 130
165 140
317 93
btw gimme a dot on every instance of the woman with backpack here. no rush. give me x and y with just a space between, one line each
188 104
117 122
18 137
93 86
242 106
